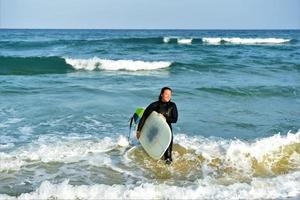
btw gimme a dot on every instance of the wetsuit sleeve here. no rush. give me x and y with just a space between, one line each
146 114
174 115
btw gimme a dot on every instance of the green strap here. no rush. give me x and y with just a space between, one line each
139 112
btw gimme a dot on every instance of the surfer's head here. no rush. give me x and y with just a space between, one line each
165 94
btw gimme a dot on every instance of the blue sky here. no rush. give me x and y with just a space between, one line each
151 14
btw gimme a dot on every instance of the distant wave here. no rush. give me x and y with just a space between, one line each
180 40
104 64
58 65
249 41
224 40
185 41
37 43
138 40
23 45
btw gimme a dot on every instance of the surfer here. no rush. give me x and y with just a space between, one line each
168 109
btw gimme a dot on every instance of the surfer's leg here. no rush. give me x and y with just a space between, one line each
168 153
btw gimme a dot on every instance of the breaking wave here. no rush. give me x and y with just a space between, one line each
210 168
59 65
105 64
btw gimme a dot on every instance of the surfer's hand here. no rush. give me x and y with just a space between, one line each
138 134
162 115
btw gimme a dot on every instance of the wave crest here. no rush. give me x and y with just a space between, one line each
114 65
249 41
58 65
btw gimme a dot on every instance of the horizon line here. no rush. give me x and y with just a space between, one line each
229 29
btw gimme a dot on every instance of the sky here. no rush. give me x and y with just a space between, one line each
150 14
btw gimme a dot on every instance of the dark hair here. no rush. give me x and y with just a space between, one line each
162 91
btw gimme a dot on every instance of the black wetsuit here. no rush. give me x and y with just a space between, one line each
169 111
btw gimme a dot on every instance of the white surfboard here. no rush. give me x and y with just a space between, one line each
156 135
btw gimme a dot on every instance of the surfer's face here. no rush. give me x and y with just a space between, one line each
166 96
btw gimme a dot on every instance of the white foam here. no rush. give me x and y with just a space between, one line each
99 160
246 41
234 153
212 40
114 65
239 154
69 151
123 141
167 39
184 41
9 162
285 186
267 145
256 40
72 150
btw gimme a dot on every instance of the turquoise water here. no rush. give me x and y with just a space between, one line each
66 97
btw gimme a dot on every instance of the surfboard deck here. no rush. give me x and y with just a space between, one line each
155 136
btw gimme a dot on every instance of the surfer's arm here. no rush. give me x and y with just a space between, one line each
142 121
146 114
141 124
172 118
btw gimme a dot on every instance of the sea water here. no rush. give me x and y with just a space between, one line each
66 97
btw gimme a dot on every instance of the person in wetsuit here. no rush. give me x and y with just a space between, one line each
168 109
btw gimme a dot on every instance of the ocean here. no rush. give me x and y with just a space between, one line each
66 97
